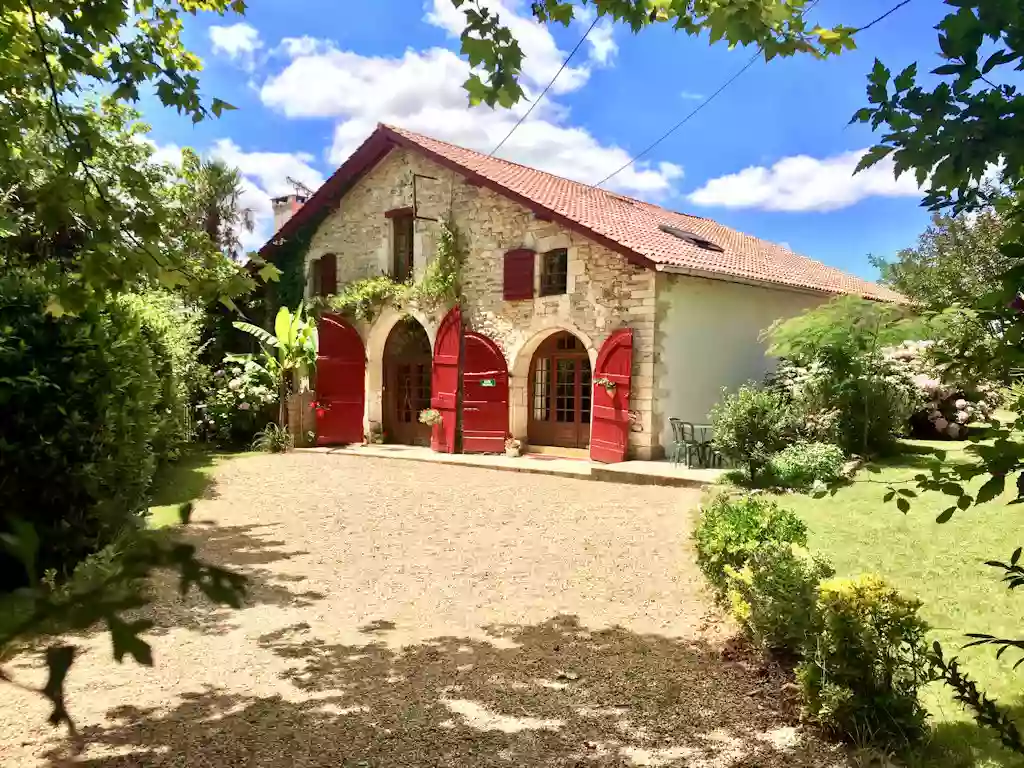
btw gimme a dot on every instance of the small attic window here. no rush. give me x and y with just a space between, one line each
690 237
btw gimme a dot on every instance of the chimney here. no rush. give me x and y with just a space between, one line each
285 207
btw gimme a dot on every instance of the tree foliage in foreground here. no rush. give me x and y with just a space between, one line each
952 131
84 208
78 194
778 27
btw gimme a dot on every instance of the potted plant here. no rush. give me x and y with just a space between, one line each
430 417
513 447
375 434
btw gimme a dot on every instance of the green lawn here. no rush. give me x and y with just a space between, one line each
942 565
185 480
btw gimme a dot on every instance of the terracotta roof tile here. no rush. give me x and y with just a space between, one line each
629 226
635 225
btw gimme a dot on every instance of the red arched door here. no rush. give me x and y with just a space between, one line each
340 383
484 395
610 436
445 381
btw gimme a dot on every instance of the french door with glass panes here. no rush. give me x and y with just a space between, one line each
560 393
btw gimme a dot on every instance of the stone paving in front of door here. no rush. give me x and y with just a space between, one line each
632 472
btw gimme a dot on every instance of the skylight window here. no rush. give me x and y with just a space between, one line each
690 237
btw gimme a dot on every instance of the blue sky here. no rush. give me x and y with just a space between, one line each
771 156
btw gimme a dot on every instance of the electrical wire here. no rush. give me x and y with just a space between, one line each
546 87
721 88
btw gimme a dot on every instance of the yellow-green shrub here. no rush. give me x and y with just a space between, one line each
773 596
862 670
733 528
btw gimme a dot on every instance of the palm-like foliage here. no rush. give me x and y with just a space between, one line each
290 352
218 209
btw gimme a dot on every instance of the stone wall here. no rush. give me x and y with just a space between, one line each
605 292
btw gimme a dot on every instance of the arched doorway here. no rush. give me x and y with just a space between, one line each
560 393
406 383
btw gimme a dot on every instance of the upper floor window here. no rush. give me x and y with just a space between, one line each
325 275
402 247
554 272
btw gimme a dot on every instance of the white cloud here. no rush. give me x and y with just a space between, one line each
239 42
804 183
601 40
422 91
162 153
299 46
691 95
602 43
265 176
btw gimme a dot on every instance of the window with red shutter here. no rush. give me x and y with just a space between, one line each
518 274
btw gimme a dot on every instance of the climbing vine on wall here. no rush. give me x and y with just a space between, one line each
442 281
441 285
364 298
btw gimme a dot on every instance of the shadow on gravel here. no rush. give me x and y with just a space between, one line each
553 694
245 549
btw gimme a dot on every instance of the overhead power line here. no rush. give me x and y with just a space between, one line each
546 87
888 13
721 88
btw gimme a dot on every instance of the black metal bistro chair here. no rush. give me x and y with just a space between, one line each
685 443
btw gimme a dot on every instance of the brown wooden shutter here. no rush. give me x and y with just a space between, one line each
519 274
328 274
316 269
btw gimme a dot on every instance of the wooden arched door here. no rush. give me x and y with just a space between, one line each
340 382
560 393
484 395
612 386
447 363
407 377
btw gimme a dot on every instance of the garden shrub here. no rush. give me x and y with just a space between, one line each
78 397
862 671
773 596
732 528
172 329
867 400
240 400
752 425
803 464
273 439
948 400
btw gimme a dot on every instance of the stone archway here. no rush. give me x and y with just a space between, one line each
406 373
519 373
376 339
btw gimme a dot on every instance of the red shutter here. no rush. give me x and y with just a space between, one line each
609 432
444 384
328 274
519 274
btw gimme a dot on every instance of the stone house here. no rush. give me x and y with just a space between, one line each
587 319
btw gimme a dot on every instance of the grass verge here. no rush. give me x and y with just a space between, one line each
943 566
190 478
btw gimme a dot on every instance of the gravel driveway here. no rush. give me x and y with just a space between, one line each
411 614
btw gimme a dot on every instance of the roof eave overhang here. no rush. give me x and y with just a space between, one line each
673 269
